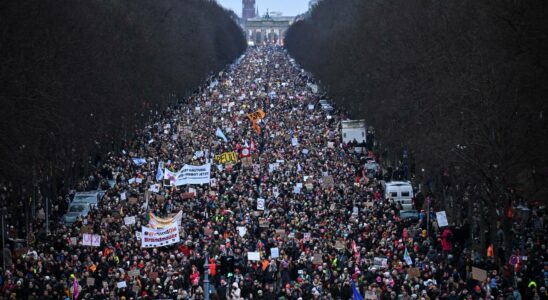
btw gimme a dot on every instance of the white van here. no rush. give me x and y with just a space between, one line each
400 191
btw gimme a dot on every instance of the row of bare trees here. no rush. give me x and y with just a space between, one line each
78 77
461 84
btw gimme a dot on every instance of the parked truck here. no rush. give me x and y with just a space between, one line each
354 130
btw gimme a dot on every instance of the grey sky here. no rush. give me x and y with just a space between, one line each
287 7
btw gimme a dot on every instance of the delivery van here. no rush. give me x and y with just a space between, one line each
400 191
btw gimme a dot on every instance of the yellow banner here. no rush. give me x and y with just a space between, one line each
226 157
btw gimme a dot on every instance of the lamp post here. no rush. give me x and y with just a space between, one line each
3 213
206 276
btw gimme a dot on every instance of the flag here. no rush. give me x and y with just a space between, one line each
160 172
355 292
139 161
221 134
75 291
256 127
407 258
252 146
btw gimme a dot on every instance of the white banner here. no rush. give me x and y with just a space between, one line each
151 238
189 175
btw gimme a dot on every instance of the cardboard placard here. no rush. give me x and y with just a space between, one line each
90 281
153 275
328 182
370 295
479 274
280 232
208 231
317 259
340 245
86 229
129 220
413 273
186 196
263 223
133 200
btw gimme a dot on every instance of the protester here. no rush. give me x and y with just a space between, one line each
286 220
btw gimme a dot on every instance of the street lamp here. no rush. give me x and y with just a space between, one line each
3 213
206 276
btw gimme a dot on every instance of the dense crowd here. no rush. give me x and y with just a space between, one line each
317 238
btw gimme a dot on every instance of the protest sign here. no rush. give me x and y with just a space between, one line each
242 230
93 240
186 196
441 217
328 182
479 274
155 188
157 222
413 273
129 220
134 273
90 281
189 175
121 284
371 295
226 157
260 204
380 262
275 252
166 236
317 259
253 256
247 162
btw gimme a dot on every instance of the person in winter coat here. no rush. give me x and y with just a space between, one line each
235 292
447 240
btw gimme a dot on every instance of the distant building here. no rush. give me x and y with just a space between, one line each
248 9
270 28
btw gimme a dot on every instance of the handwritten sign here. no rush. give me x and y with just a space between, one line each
226 157
479 274
129 220
260 204
253 256
93 240
441 217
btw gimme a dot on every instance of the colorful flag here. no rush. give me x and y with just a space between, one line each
139 161
355 292
407 258
220 133
160 172
75 291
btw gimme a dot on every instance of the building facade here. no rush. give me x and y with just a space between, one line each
248 9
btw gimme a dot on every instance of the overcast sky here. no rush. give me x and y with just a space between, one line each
287 7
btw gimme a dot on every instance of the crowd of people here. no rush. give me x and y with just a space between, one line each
325 232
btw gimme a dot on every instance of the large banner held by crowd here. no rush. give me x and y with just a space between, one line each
157 222
151 237
188 175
